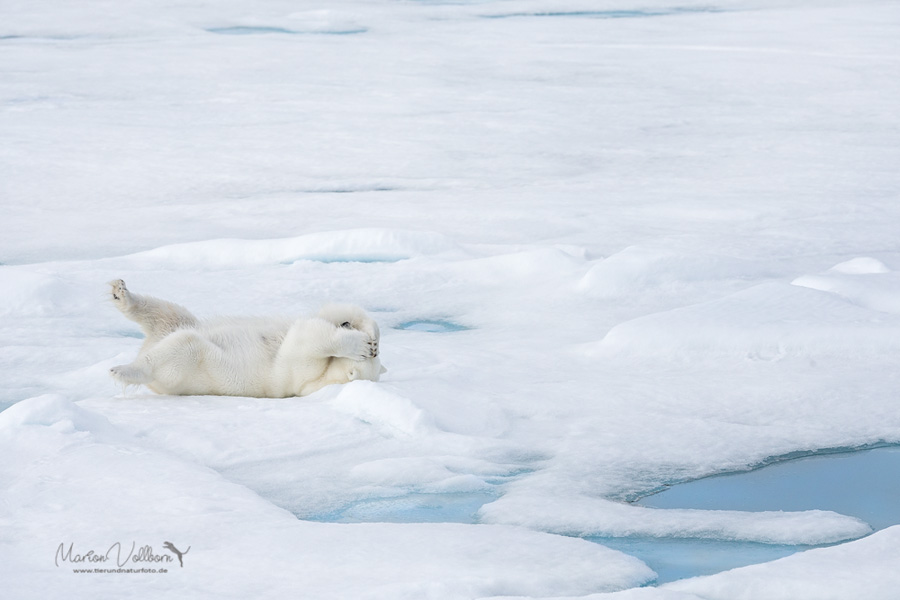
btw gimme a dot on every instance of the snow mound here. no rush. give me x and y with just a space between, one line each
518 265
585 516
854 570
34 294
448 560
864 265
59 414
636 268
353 245
769 321
864 282
376 404
421 474
325 21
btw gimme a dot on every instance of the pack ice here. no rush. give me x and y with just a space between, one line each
610 249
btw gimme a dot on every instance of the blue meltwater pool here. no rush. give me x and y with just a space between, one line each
859 483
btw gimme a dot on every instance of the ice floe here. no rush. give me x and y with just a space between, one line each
668 231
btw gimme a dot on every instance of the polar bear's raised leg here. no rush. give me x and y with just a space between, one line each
315 339
157 318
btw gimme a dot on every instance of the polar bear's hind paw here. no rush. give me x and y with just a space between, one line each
130 374
120 293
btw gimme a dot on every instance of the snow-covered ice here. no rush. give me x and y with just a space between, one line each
611 246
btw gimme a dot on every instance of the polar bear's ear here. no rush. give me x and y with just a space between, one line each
383 370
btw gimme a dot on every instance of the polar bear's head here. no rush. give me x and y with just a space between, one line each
370 369
352 317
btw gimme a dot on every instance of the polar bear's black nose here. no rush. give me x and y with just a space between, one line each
346 324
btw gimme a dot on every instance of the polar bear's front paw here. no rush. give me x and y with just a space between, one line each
120 294
358 346
370 350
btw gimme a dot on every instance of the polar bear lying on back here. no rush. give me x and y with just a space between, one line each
260 357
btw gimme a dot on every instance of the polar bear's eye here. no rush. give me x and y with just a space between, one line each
346 325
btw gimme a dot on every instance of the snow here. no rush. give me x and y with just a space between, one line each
125 492
610 248
595 517
777 321
345 246
863 281
803 575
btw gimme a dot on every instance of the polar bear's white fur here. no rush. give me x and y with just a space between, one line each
259 357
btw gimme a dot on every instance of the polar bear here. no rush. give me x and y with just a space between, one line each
258 357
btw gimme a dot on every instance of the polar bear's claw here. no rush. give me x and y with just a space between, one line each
370 349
